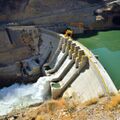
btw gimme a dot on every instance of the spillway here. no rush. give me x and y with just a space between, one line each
67 68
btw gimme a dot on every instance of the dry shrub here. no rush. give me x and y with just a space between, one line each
66 117
71 106
115 100
55 104
61 102
91 102
82 116
40 117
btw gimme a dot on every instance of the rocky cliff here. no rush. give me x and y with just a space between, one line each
19 9
10 6
15 6
55 14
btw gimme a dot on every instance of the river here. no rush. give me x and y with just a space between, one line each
105 44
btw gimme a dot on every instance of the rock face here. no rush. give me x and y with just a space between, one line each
10 6
57 15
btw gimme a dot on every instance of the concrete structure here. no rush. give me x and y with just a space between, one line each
71 68
86 79
58 88
23 51
58 58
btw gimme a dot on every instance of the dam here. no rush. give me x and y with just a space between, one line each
58 66
105 44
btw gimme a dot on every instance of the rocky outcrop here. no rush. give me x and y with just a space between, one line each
10 6
56 15
108 17
106 108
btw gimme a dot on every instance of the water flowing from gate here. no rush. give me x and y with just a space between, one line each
19 96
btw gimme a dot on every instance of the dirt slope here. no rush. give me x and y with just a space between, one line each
106 108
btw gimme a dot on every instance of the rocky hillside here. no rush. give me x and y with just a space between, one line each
10 6
18 9
106 108
80 10
15 6
58 15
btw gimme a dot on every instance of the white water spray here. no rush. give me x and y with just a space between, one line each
19 96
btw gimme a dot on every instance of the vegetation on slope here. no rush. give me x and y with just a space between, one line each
106 108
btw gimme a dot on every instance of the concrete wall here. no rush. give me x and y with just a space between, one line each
23 51
87 81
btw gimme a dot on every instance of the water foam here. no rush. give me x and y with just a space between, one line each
19 96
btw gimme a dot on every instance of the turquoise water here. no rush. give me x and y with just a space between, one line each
107 46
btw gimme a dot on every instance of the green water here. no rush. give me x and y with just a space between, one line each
107 46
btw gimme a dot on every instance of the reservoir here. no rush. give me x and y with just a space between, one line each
106 45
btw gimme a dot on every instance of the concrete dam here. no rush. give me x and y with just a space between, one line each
58 66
